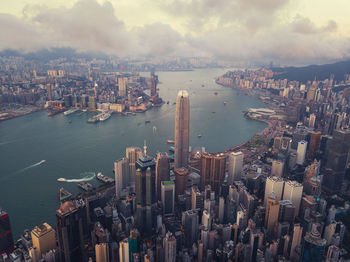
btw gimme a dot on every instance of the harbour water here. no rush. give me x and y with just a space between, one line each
36 150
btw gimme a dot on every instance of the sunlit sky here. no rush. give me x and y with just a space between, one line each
285 31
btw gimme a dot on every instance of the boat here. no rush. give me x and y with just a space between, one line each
172 149
216 93
70 111
199 135
85 186
225 103
174 103
213 112
54 112
104 116
167 102
93 119
63 194
170 141
104 179
202 85
147 121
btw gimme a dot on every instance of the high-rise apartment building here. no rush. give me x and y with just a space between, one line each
213 171
181 175
301 152
182 129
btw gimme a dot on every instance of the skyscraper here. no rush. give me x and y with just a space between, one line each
293 191
121 173
235 167
271 216
190 224
277 167
168 197
213 171
162 171
132 154
145 193
102 252
274 185
315 141
181 175
314 246
301 152
122 86
6 239
124 250
71 226
43 238
169 245
338 152
182 129
297 234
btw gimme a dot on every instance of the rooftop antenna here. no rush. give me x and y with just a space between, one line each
144 147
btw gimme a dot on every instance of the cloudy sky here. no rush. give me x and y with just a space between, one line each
289 32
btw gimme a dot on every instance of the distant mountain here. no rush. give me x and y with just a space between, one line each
321 72
52 53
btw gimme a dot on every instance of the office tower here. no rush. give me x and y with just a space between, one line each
332 230
221 210
132 154
315 141
235 167
301 152
169 245
287 211
297 234
213 171
102 252
182 129
333 254
145 193
314 246
49 92
72 232
274 185
200 251
181 175
338 152
43 238
124 251
162 171
312 120
206 219
6 239
300 134
168 197
134 239
190 224
92 102
122 86
121 173
311 94
197 198
271 216
293 191
33 254
277 167
154 81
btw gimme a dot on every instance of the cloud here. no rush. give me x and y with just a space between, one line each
247 31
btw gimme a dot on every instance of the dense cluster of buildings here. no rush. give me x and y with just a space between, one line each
288 204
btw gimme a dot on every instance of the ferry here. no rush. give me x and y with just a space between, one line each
93 119
70 111
199 135
63 194
85 186
147 121
170 141
172 149
104 116
104 179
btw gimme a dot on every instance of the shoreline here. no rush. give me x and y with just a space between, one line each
264 132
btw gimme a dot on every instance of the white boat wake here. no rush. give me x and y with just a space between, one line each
31 166
88 176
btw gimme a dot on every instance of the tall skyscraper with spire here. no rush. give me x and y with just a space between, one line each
182 129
